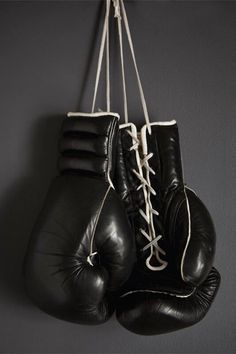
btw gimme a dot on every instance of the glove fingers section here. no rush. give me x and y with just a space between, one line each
86 145
149 313
196 240
88 125
95 165
97 146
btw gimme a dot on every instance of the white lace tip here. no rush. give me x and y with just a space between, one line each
155 212
152 171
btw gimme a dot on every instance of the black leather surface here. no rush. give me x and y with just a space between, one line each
155 302
152 312
82 213
171 202
87 145
126 183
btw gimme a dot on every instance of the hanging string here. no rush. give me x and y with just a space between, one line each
118 16
105 39
143 100
119 8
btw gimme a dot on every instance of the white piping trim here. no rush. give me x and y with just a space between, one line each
192 190
127 125
96 114
159 292
189 236
165 123
145 127
95 227
110 181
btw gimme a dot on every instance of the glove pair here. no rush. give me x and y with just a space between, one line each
119 230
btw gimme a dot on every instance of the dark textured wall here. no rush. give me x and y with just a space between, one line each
187 57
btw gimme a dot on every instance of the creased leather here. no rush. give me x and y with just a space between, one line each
86 147
82 213
155 302
127 184
150 313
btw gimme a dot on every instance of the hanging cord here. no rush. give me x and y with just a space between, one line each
143 100
145 183
119 8
117 15
104 40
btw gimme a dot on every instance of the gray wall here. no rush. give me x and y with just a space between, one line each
187 56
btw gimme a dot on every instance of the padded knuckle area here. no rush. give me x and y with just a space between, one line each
86 144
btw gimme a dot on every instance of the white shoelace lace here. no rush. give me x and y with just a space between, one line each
148 190
155 249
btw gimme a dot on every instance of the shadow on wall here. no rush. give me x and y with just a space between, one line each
22 202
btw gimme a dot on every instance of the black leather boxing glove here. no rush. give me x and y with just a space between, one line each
82 248
173 284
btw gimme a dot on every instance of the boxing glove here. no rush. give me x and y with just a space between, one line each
173 283
82 247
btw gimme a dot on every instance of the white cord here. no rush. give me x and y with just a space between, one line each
148 214
119 7
118 16
143 101
105 38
